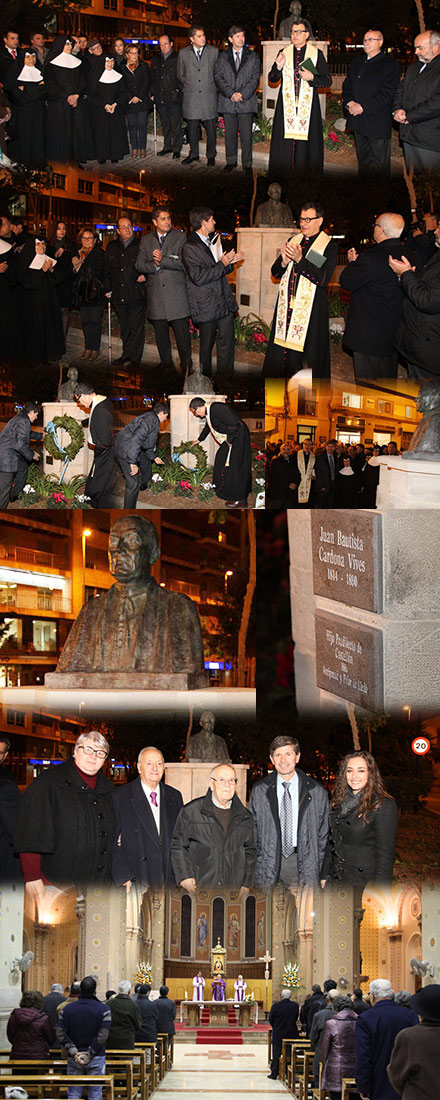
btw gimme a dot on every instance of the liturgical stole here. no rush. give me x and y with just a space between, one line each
293 334
306 476
217 436
297 102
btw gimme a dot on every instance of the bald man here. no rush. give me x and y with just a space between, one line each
376 305
367 94
214 839
416 105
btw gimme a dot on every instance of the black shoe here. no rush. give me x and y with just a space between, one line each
229 167
272 1076
176 156
189 160
164 152
211 162
121 359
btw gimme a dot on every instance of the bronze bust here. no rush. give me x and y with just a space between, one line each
425 443
207 747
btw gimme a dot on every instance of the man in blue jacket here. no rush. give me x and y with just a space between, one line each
16 453
83 1029
375 1034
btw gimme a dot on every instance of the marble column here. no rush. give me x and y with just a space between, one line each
11 948
336 936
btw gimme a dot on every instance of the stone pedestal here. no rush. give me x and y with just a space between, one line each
83 461
270 95
407 483
11 947
186 428
365 609
244 1014
256 290
135 681
192 780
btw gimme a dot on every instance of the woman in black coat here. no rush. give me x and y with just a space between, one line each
27 94
363 823
108 98
62 250
69 135
89 289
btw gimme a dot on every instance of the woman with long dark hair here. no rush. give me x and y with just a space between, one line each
118 52
89 288
363 823
62 250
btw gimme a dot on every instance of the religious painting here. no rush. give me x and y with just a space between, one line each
233 932
202 932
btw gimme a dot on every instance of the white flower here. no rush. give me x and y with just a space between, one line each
260 481
157 477
29 489
82 498
207 485
337 327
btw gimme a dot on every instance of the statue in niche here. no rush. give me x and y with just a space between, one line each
137 634
207 747
425 443
274 214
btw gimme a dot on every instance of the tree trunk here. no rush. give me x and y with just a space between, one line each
354 726
254 195
247 603
421 16
409 180
275 19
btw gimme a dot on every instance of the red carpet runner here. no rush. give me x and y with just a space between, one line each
227 1036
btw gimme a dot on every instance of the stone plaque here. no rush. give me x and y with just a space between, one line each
347 557
349 660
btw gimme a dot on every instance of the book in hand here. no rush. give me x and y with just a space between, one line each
314 257
308 64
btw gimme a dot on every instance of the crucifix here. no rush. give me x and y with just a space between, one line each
266 959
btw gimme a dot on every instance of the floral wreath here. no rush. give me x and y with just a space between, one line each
52 443
194 449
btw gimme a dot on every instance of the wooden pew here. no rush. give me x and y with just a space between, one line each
348 1086
37 1085
137 1056
150 1065
306 1077
121 1070
283 1062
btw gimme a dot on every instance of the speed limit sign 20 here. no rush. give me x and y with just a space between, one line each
421 746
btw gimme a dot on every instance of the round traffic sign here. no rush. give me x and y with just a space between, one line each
421 746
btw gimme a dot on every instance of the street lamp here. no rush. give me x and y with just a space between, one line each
228 573
86 532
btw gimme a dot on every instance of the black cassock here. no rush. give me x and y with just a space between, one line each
109 131
279 361
288 155
69 133
11 341
28 101
232 481
41 317
101 479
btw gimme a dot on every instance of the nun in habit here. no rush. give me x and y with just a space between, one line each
27 94
69 133
10 321
108 98
36 275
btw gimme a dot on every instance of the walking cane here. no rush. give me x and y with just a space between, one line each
155 129
109 316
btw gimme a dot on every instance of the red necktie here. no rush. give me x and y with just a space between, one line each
153 797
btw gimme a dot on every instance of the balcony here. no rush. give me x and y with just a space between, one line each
41 559
15 600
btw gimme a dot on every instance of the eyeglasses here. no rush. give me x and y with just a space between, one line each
100 753
224 782
307 220
295 33
371 39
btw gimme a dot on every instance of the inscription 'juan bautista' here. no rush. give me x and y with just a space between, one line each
348 542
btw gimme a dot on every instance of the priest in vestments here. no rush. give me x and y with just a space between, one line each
297 143
233 461
218 989
299 336
198 987
304 476
240 987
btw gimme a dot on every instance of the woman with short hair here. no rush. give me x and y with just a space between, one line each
29 1029
89 288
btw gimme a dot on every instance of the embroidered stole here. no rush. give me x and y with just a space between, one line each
217 436
297 102
306 476
293 334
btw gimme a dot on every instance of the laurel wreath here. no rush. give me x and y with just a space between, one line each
52 443
197 451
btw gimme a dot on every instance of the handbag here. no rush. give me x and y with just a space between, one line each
87 289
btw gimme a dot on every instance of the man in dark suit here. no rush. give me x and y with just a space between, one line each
211 300
128 291
367 93
282 1016
326 468
8 52
376 305
160 260
100 484
237 75
166 91
167 1013
146 813
280 479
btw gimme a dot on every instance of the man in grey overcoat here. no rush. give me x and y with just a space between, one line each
159 258
195 69
237 75
291 815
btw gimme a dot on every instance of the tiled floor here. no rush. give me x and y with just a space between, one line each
219 1071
